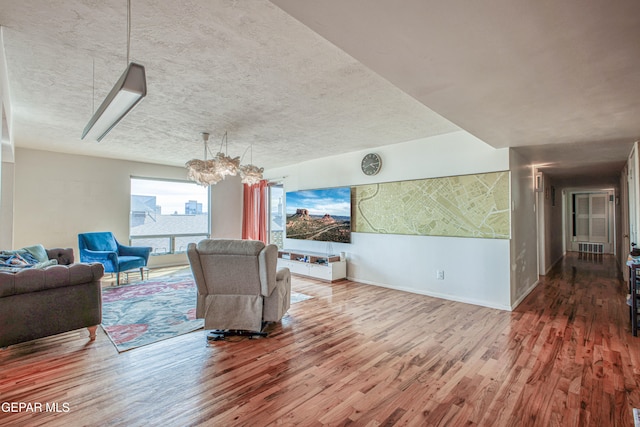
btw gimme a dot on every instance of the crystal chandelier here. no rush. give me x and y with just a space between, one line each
208 172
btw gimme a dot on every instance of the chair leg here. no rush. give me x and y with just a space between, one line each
118 278
141 273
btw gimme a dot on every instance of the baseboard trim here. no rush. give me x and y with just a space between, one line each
434 294
553 265
525 294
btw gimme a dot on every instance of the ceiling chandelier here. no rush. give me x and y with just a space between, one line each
211 171
250 174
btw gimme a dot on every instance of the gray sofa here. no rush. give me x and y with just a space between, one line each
39 302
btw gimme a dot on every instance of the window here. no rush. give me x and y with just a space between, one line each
168 215
276 215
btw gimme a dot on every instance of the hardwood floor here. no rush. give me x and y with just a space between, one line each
360 355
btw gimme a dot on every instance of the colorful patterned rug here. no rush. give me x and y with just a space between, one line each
154 310
150 311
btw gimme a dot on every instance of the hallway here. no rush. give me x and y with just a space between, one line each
587 369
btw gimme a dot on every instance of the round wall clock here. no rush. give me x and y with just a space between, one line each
371 164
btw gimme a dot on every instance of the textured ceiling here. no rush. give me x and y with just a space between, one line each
515 73
245 67
306 79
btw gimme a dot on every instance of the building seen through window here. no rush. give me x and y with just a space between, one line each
168 215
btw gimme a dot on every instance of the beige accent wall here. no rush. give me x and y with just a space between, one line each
58 196
6 154
6 204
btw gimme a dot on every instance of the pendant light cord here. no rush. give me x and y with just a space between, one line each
128 29
222 143
93 94
245 153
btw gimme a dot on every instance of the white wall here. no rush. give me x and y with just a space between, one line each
457 153
524 244
476 270
58 196
226 209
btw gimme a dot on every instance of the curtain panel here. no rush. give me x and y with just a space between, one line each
254 218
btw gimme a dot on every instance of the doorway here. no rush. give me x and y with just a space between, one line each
591 222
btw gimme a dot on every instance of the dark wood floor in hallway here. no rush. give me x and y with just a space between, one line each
359 355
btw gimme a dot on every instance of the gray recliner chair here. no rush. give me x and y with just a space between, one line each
239 289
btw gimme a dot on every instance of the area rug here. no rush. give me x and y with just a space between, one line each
150 311
154 310
298 297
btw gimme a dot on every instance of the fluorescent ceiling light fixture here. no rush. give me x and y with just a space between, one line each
127 92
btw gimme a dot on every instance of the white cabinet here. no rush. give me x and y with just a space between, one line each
313 264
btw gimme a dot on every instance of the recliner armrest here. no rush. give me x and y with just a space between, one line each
282 274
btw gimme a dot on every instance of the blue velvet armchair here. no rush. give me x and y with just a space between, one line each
103 247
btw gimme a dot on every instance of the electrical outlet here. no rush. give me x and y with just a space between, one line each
440 274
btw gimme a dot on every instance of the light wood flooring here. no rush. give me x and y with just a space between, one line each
358 355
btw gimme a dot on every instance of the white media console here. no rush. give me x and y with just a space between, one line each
313 264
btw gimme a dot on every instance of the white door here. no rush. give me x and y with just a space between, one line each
598 218
582 217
